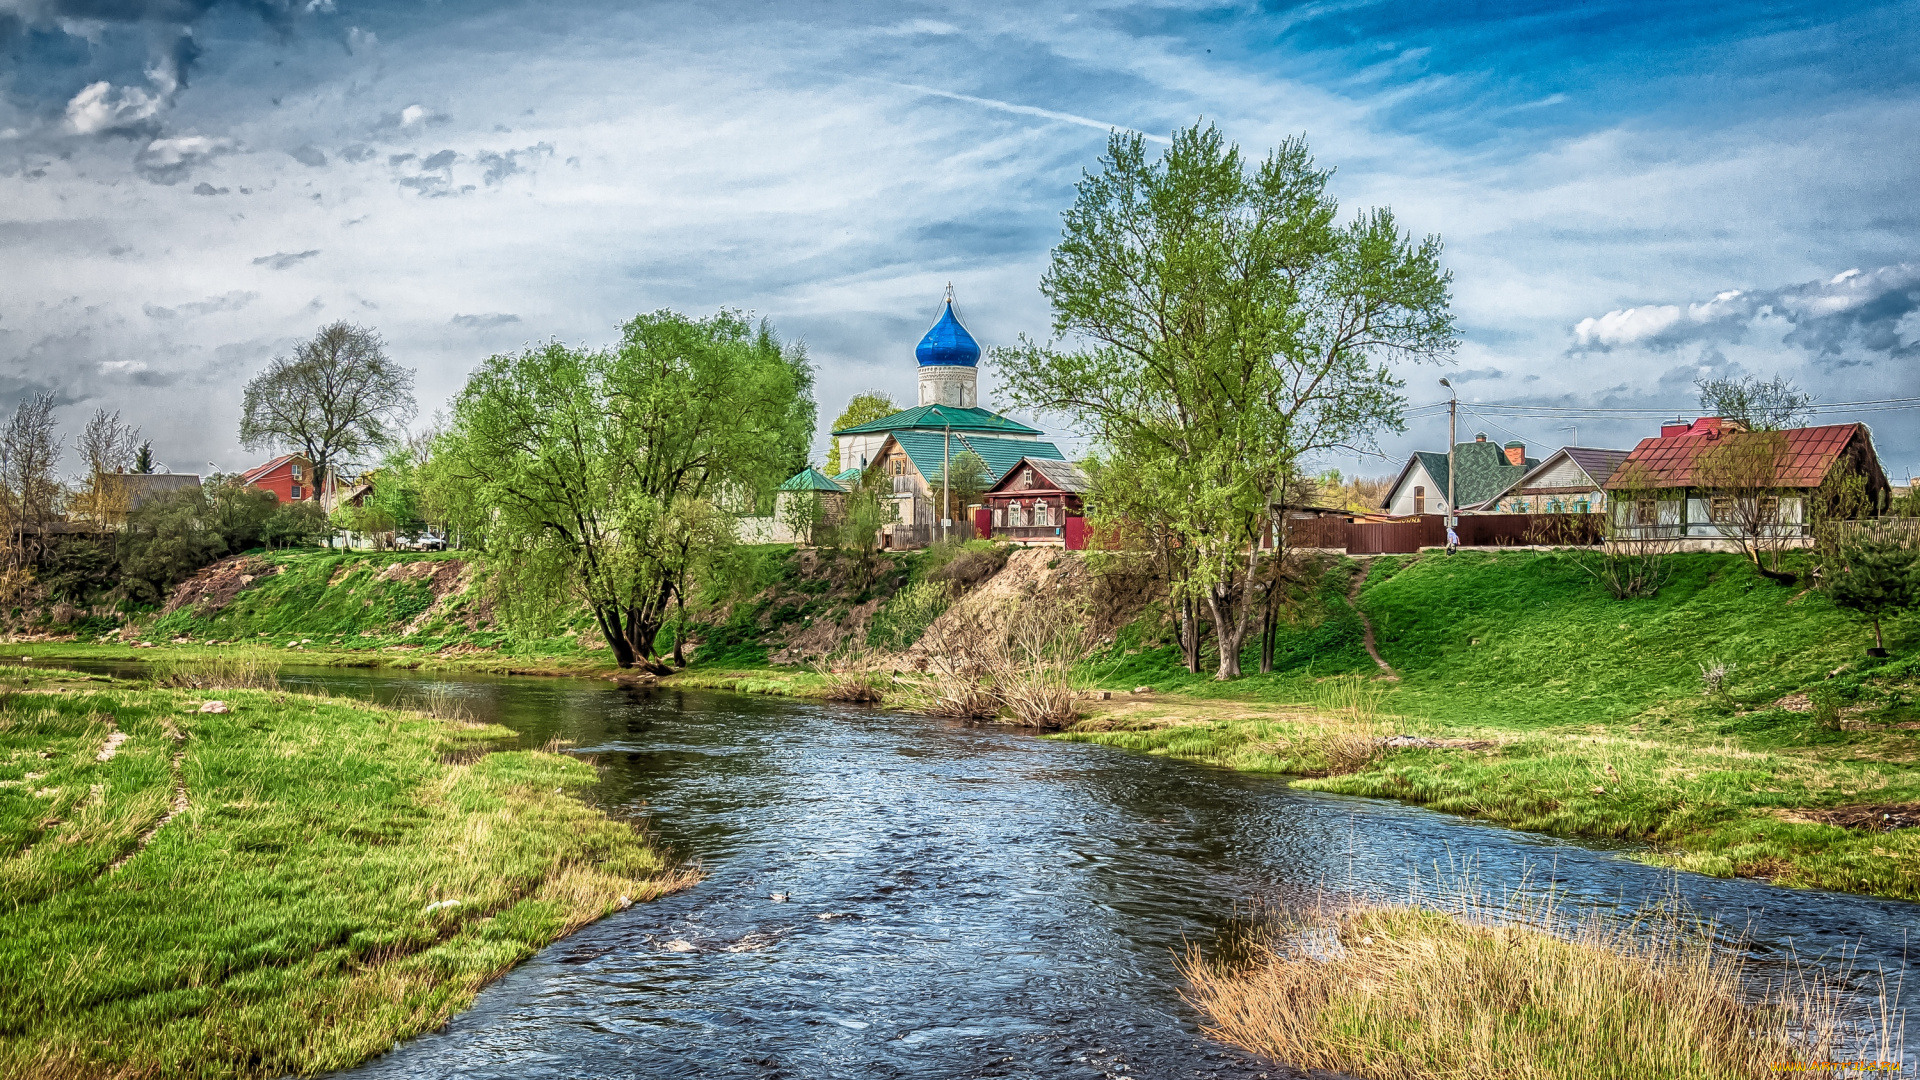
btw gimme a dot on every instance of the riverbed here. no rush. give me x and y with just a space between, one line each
894 895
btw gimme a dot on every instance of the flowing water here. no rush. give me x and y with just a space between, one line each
960 901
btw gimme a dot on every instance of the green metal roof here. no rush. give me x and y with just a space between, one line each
846 478
1480 468
811 479
939 418
926 448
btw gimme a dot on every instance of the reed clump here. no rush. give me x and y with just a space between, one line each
1470 987
1015 661
852 677
237 669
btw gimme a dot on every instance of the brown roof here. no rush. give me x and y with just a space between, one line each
1670 462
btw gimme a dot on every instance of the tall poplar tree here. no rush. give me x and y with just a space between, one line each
1232 327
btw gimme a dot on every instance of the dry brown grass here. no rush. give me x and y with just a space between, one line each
1472 987
852 677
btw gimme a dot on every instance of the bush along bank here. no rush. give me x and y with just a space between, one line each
1733 726
277 883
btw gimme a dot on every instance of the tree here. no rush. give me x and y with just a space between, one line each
336 399
1235 328
1756 405
29 492
583 472
967 477
1882 577
871 405
143 459
166 539
107 452
1746 498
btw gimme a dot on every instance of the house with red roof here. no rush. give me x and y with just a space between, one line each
289 477
1707 482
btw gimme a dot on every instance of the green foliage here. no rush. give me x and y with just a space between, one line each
862 408
166 540
1235 329
597 476
904 618
967 477
295 524
1881 577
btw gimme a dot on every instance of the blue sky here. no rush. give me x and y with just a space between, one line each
1630 194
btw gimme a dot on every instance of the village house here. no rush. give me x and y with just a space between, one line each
289 477
1039 500
1571 480
1481 468
1705 483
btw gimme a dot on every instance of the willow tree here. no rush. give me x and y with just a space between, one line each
600 476
1232 327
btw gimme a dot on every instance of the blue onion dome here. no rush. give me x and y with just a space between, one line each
948 343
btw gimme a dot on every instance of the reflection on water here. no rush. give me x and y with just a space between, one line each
961 901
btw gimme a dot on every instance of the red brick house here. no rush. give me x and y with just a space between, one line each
289 477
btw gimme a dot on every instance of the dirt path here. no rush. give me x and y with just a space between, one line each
1353 597
178 806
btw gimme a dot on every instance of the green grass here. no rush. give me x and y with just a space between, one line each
280 921
1580 692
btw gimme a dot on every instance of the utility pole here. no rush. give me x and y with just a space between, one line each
946 467
1575 428
1453 411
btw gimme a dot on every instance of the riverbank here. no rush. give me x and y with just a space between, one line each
288 886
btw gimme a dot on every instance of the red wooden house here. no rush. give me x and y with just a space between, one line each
289 477
1038 501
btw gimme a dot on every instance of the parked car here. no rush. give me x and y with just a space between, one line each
424 541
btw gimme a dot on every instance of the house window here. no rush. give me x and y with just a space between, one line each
1645 512
296 491
1026 479
295 467
1016 516
899 467
1042 513
1582 507
1770 508
1419 500
1720 508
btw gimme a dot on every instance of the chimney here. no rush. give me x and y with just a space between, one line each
1480 436
1516 453
1675 430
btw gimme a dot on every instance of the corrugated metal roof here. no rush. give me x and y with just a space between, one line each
811 479
939 418
1803 460
846 478
1057 474
1598 464
926 449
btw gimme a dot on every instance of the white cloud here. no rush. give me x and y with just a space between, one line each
1626 327
167 161
102 107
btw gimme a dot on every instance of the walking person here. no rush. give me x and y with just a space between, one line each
1453 540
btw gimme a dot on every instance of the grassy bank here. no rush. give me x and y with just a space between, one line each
1545 704
287 887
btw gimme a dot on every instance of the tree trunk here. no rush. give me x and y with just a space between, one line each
679 628
1230 630
616 640
1269 627
1877 643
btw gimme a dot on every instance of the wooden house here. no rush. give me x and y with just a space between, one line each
1037 500
1710 481
1571 480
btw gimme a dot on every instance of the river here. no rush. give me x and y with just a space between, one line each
960 901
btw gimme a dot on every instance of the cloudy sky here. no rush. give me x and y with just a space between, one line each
1630 194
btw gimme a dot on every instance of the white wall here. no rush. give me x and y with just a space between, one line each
1401 504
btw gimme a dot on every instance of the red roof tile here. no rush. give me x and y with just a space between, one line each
1670 461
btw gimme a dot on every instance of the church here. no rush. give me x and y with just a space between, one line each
909 450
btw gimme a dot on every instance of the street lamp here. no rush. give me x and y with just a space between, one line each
1453 410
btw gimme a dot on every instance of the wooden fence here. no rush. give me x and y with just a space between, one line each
1410 534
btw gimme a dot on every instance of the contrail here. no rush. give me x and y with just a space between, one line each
1031 110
